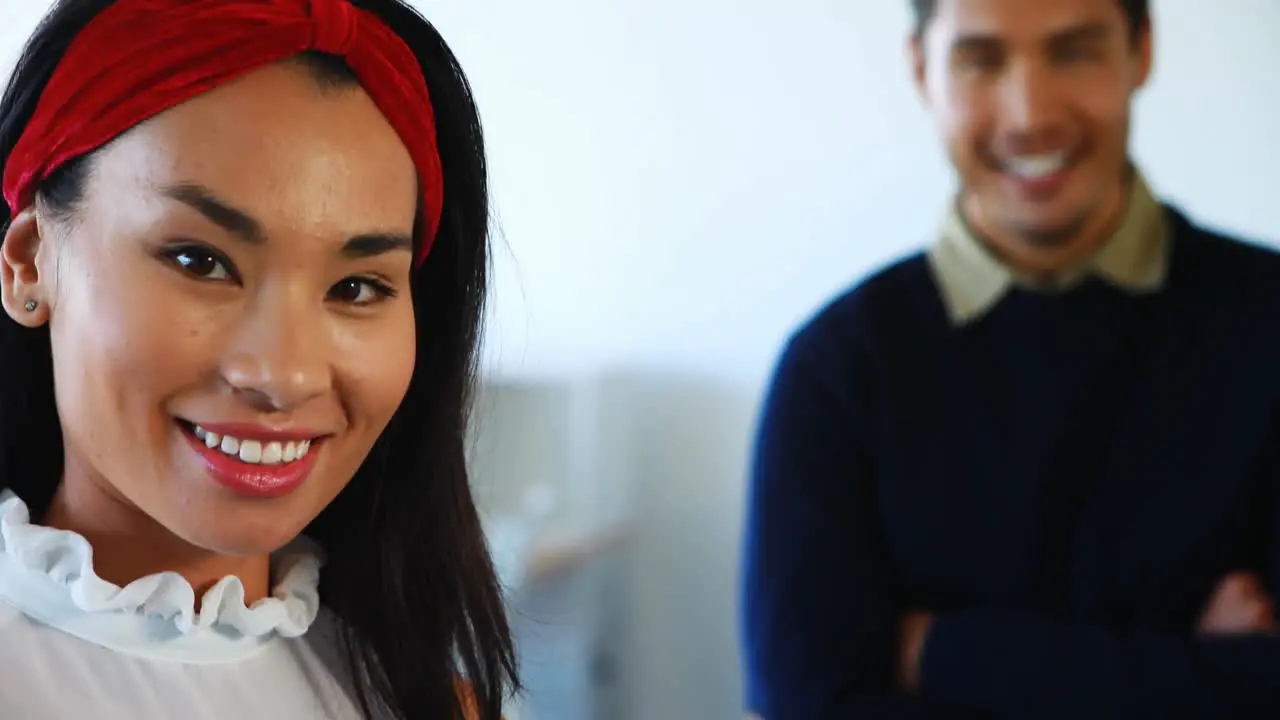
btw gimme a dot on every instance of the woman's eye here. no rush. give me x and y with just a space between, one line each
360 291
200 263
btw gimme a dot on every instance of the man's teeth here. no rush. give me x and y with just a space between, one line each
1034 167
253 451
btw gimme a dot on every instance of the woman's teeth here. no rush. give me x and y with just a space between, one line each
253 451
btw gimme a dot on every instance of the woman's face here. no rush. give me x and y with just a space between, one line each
230 308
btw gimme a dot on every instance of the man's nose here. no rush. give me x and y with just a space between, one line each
1028 102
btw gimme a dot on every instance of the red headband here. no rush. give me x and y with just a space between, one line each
138 58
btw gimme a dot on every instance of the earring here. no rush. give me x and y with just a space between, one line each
31 305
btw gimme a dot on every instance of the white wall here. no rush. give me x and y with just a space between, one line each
20 18
680 181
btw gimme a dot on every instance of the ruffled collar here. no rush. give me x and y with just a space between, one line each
48 575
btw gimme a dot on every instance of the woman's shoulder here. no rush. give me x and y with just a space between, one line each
467 693
323 640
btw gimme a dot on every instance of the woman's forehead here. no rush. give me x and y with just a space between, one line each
276 141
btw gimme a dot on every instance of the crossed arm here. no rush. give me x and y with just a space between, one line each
823 628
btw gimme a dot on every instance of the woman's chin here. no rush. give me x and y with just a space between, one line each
237 539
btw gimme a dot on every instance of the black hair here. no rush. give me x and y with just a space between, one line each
1138 13
408 573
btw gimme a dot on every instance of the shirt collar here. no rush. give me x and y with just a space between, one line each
48 576
972 279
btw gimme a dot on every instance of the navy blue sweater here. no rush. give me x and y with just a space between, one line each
1063 482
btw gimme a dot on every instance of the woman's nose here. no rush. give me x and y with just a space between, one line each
281 356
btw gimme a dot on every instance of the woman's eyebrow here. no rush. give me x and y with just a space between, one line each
244 226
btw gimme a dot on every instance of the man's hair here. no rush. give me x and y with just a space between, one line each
1137 11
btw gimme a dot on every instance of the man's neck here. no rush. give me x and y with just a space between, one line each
1048 261
128 545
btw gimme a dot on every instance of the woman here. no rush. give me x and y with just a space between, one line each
243 266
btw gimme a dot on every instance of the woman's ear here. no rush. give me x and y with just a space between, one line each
23 291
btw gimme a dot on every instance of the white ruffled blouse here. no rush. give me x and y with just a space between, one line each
74 646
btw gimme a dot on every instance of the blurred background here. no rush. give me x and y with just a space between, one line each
677 184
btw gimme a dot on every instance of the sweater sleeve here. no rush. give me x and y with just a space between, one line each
1021 666
819 606
1029 667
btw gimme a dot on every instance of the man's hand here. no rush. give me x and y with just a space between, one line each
911 636
1240 606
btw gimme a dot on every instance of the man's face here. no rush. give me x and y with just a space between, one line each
1032 98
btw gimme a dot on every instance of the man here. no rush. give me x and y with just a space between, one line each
1031 473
